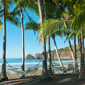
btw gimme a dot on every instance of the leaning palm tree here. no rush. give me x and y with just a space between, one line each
68 17
53 26
45 74
58 56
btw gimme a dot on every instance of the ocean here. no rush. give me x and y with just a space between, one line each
17 62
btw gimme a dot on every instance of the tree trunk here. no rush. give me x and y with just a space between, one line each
3 70
45 74
71 49
82 65
23 51
53 36
75 56
49 56
48 41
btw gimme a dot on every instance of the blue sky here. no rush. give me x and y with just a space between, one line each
32 45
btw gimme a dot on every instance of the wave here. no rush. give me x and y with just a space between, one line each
34 63
21 63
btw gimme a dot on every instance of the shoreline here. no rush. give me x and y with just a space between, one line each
34 71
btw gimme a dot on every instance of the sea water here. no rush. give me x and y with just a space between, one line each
17 62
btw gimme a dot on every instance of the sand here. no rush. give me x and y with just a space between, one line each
59 78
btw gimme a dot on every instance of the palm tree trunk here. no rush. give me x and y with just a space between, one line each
23 51
82 66
45 74
75 56
53 36
71 49
49 56
48 41
3 70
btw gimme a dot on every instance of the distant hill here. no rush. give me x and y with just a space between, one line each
63 52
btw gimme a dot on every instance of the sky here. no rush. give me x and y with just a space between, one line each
32 45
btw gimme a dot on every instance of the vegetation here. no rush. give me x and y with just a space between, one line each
62 18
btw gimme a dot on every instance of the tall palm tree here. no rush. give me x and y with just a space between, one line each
23 51
22 5
49 56
79 25
3 70
48 41
45 74
75 56
82 68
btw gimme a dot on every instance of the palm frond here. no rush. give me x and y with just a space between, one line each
79 20
51 26
1 25
31 26
13 20
69 36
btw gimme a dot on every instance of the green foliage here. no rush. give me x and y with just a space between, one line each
66 49
0 25
52 26
31 26
79 20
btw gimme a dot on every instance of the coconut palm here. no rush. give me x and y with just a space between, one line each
45 74
10 17
3 71
48 41
68 17
53 37
22 5
51 27
78 23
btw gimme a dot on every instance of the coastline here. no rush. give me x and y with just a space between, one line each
59 78
13 74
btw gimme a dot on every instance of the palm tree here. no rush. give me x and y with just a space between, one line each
53 26
48 41
14 20
20 5
45 74
23 51
49 56
68 17
53 37
3 71
82 68
75 56
79 25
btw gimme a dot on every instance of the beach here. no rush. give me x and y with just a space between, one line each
58 78
33 75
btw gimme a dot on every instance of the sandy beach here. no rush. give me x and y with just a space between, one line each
59 78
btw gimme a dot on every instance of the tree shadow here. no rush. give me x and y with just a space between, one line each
57 79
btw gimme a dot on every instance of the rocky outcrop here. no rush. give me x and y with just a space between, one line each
63 55
63 52
29 56
38 56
